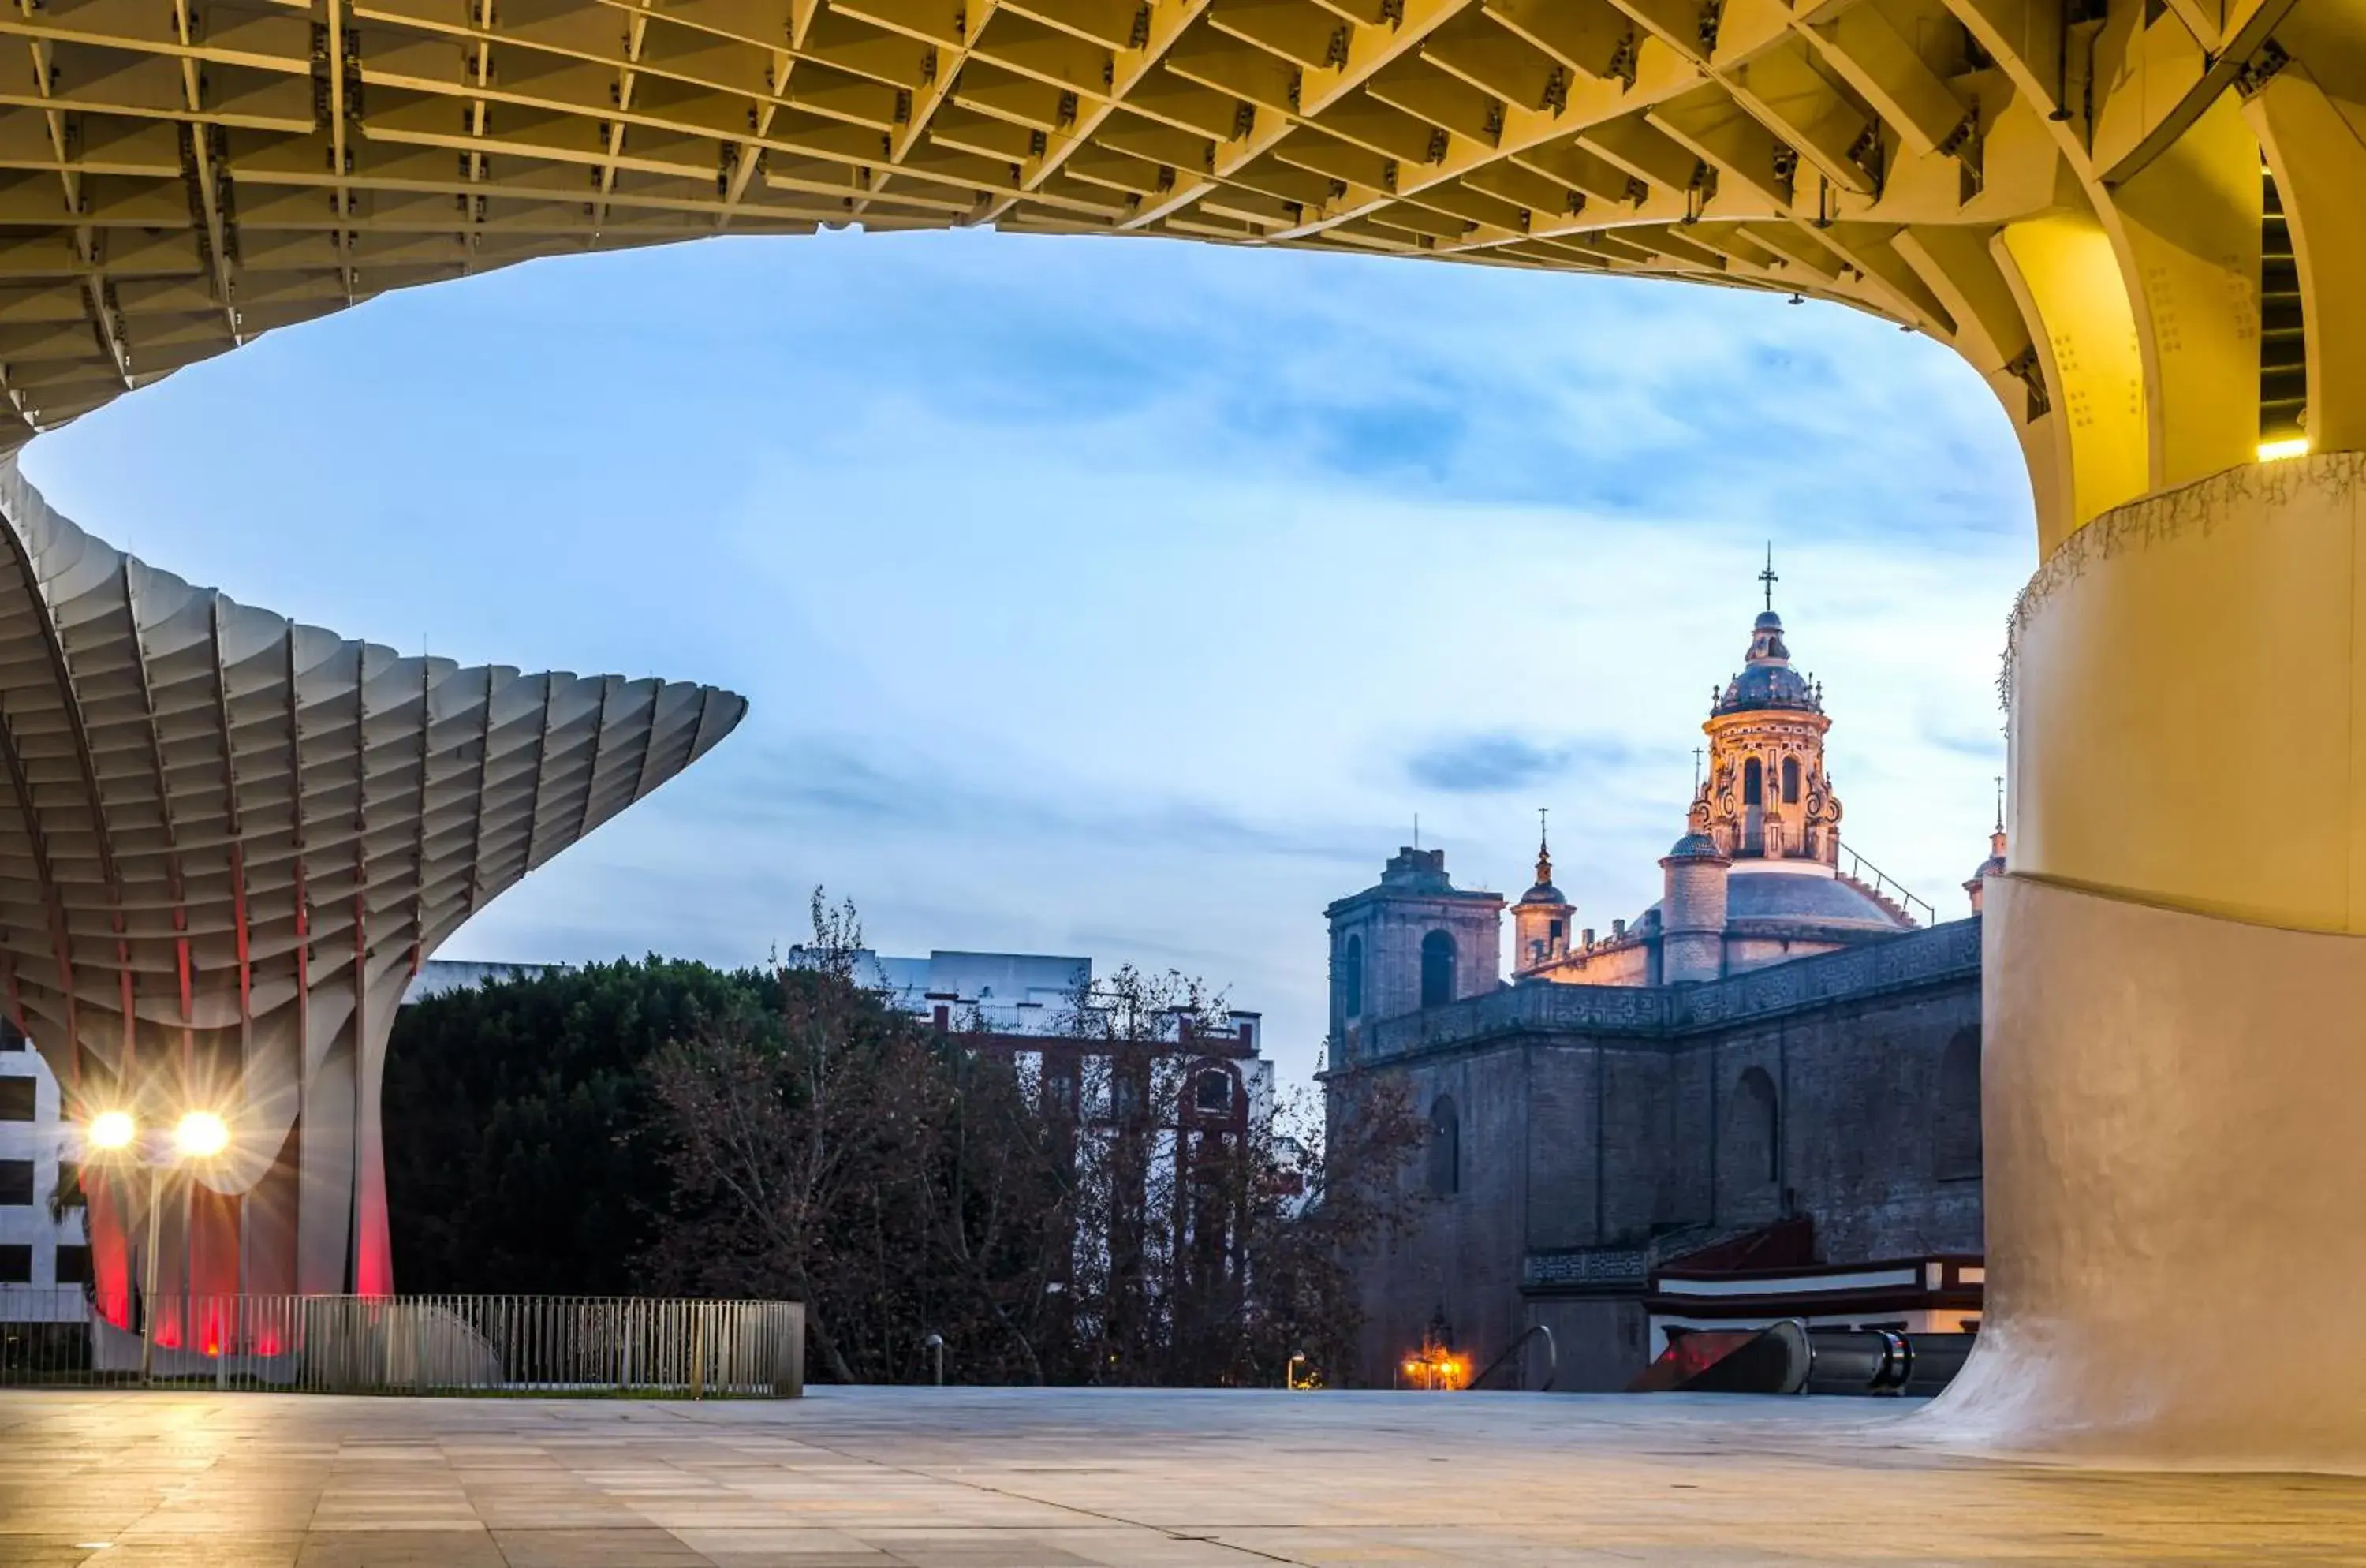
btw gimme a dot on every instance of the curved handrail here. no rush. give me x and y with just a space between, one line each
1553 1357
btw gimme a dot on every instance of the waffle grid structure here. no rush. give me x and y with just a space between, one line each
226 841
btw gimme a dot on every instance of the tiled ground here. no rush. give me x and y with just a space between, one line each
1013 1478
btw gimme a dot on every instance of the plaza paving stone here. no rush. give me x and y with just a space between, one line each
1011 1478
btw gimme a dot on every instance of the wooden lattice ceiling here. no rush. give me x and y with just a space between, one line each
183 174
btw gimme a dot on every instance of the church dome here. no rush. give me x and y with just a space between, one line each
1696 846
1767 680
1543 893
1807 901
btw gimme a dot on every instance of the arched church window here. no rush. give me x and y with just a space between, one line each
1752 783
1956 1120
1436 969
1752 1154
1213 1092
1351 978
1790 781
1445 1148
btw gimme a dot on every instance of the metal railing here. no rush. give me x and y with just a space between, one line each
1511 1356
1884 886
418 1344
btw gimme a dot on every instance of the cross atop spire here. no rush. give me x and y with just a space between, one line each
2000 784
1768 576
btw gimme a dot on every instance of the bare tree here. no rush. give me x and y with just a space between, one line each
1335 1177
793 1134
1066 1208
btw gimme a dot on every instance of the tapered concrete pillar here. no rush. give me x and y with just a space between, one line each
2175 1085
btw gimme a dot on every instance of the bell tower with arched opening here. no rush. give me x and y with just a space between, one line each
1767 801
1414 941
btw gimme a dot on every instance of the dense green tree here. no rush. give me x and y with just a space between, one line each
517 1116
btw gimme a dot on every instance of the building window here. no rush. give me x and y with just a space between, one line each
1790 781
15 1265
1752 783
1753 1148
70 1194
1436 969
16 1182
1213 1093
1955 1130
17 1099
1351 978
1556 930
1445 1148
73 1264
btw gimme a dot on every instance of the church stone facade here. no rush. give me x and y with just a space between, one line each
1773 1041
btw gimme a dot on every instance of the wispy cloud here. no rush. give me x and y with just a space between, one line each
845 781
1505 760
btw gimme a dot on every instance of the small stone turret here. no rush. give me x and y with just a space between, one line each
1692 911
1540 920
1993 865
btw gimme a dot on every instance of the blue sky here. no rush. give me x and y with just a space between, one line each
1108 597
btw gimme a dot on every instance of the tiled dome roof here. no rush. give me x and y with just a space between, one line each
1767 680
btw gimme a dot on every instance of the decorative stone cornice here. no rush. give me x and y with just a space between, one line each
1667 1015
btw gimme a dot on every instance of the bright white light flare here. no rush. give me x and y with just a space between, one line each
111 1130
201 1135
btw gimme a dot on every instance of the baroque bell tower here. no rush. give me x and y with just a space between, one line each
1767 797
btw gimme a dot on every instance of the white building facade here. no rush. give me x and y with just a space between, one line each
38 1253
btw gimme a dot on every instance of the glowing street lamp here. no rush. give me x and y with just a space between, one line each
111 1130
201 1136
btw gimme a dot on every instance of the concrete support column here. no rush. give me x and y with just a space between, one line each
2175 1065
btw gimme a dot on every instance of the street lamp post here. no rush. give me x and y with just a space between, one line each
200 1135
148 1274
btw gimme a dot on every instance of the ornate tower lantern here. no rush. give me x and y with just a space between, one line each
1767 797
